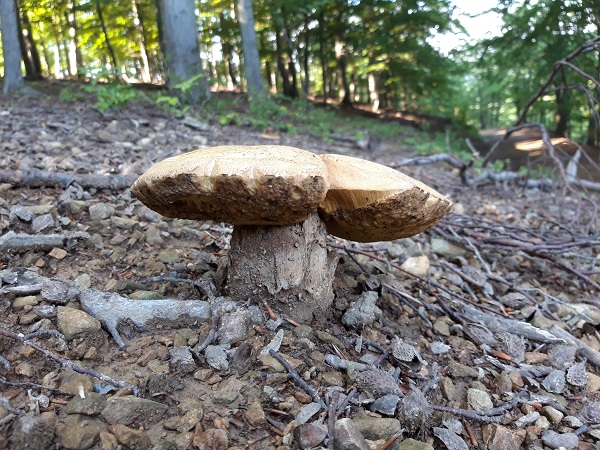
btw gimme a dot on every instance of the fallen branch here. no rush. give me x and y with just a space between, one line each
36 178
38 242
593 356
297 378
69 364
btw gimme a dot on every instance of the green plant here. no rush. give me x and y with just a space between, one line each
172 105
70 94
109 94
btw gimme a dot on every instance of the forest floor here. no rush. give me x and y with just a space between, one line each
484 331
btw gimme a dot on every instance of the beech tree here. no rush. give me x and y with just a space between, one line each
254 78
13 77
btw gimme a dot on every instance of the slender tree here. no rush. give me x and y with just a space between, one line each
254 78
13 77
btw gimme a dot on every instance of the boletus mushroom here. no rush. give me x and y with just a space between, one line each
282 202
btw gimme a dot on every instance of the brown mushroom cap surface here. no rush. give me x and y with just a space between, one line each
369 202
241 185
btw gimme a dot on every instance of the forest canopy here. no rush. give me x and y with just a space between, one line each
380 53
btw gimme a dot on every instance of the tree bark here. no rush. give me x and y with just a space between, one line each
13 78
29 47
340 56
254 78
182 55
111 50
373 92
289 267
75 57
305 57
139 25
323 56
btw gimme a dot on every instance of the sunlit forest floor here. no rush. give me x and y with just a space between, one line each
469 313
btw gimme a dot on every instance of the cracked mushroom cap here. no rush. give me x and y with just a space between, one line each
241 185
369 202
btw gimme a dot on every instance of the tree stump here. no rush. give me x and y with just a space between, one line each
287 266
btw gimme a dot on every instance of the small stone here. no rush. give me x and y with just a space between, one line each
169 256
107 441
125 223
79 432
385 405
593 382
363 311
216 357
83 281
130 438
333 378
211 439
306 413
535 358
269 361
41 223
21 212
59 291
74 322
416 265
503 382
498 437
58 253
182 360
375 428
347 436
72 383
327 338
233 327
527 419
442 326
228 392
577 375
134 411
555 382
444 248
310 435
153 236
255 415
413 444
101 211
553 415
553 439
448 388
542 423
89 405
479 400
458 370
450 438
21 302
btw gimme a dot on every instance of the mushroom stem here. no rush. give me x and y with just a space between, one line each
288 266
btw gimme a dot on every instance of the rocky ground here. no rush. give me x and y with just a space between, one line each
481 332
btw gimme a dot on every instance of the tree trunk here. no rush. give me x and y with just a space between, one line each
340 56
289 267
254 78
13 78
111 50
563 113
182 55
139 25
30 73
373 92
30 47
288 79
306 81
75 57
323 56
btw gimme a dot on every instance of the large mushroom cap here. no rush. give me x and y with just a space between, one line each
241 185
369 202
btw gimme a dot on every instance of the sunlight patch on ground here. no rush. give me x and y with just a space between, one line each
532 145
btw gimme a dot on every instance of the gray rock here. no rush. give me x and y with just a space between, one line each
385 405
79 432
129 410
255 415
527 419
41 223
132 439
450 439
479 400
444 248
90 405
21 212
457 370
182 360
101 211
190 419
553 439
590 413
169 256
125 223
234 327
416 265
229 391
216 357
555 382
153 236
577 375
310 435
375 428
59 291
306 412
347 436
553 415
363 311
74 322
32 433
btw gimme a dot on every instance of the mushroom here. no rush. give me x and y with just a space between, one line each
282 202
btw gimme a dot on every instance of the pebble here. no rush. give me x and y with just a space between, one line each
41 223
386 404
83 281
234 327
101 211
31 433
306 412
134 411
22 213
413 444
553 439
130 438
20 302
310 435
444 248
527 419
555 382
125 223
255 415
182 360
553 414
375 428
458 370
416 265
153 236
363 311
74 322
332 378
169 256
216 357
89 405
442 327
498 437
347 436
479 400
450 439
228 391
59 291
211 439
